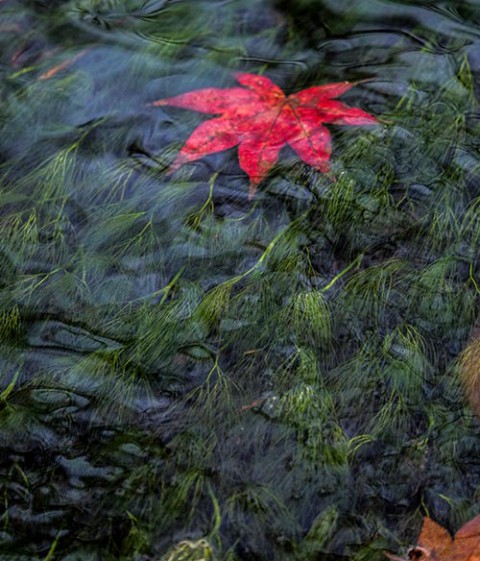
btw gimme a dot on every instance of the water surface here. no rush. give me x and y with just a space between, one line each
187 373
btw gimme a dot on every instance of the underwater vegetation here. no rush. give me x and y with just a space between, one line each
190 373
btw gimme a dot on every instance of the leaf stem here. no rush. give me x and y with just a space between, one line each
356 262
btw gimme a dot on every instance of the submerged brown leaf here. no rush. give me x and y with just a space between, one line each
436 544
63 65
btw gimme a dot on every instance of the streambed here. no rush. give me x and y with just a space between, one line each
190 373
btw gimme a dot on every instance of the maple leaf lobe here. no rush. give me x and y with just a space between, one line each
261 120
434 537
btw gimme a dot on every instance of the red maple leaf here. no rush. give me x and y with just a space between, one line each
261 119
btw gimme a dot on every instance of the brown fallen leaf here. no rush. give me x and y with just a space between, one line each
253 405
470 369
63 65
436 544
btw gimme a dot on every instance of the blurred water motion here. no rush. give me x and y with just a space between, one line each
187 374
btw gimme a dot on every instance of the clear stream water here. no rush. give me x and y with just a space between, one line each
189 374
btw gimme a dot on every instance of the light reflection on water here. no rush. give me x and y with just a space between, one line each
185 368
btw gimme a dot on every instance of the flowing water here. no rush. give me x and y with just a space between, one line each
187 373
